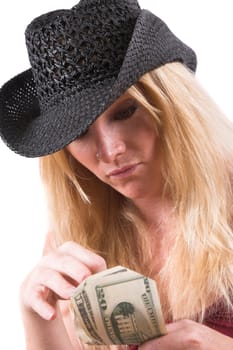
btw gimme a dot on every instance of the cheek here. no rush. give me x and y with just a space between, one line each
145 135
150 144
82 153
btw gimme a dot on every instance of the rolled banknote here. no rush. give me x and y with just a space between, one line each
117 306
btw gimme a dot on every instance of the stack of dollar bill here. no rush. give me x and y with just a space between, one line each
117 306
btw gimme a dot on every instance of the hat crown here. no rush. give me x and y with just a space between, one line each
82 60
74 49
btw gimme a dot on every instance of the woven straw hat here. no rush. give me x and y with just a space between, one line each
82 59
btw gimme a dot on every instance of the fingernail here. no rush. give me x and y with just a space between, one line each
50 315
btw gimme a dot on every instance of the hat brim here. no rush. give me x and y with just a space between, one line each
32 133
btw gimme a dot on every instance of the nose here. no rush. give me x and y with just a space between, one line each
110 144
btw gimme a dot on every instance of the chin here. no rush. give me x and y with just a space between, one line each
132 194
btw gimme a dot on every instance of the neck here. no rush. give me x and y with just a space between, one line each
158 217
155 212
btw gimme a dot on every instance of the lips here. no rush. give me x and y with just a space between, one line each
123 171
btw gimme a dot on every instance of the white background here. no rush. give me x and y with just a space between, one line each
206 25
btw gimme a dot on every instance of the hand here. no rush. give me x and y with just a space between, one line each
189 335
56 276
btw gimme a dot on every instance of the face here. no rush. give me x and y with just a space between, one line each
122 149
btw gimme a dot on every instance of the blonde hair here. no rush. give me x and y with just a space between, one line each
197 152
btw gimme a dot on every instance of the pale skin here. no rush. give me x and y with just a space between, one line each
121 148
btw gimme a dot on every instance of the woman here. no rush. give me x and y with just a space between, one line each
137 164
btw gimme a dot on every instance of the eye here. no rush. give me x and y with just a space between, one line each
125 112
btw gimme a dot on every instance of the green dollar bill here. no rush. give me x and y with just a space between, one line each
130 310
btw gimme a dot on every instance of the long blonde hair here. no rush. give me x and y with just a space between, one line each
197 169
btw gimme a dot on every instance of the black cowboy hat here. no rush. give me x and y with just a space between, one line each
82 59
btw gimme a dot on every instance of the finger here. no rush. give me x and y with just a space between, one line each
177 337
54 281
67 265
50 287
174 326
41 306
160 343
163 342
93 261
